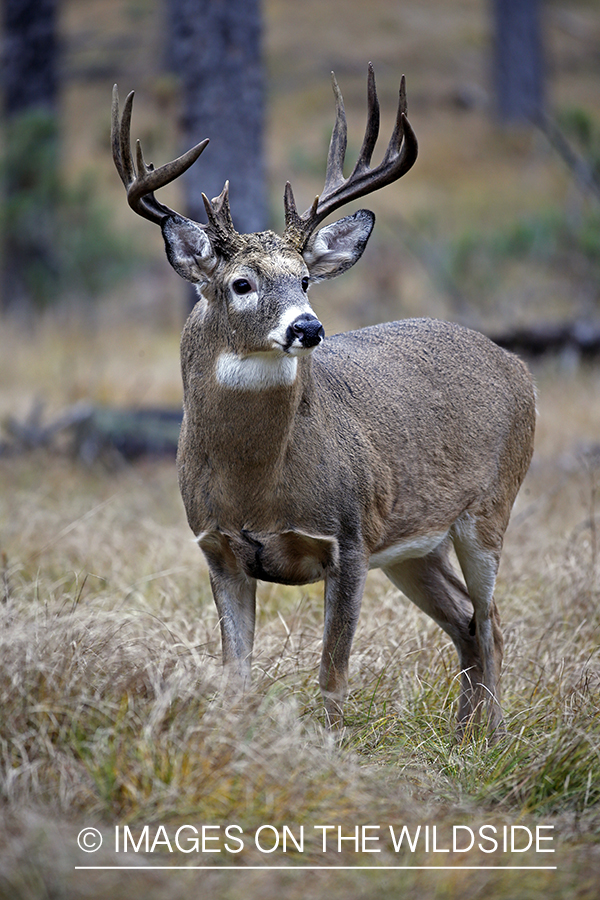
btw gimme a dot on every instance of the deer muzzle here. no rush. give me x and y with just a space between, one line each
304 332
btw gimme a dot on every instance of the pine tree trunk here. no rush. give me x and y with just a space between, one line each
30 78
215 48
518 60
30 73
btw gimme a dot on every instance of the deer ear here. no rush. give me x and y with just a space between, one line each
335 248
188 249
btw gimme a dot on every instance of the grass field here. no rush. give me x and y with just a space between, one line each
111 710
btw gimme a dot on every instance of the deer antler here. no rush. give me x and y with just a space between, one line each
400 155
141 184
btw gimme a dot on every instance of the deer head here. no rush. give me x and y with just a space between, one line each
263 277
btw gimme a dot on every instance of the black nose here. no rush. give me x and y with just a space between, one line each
307 329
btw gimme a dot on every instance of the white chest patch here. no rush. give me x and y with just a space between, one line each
256 372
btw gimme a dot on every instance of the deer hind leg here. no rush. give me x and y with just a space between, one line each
479 565
431 583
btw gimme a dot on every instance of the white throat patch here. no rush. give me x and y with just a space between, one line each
256 372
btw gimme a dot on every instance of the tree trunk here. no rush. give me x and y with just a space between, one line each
30 81
518 60
30 74
215 49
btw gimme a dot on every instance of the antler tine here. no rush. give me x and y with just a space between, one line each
295 224
156 178
372 129
399 156
220 228
120 138
400 131
334 173
140 186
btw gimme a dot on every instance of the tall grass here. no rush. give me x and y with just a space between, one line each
113 710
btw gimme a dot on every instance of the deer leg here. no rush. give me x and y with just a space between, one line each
343 596
235 599
430 582
234 593
479 566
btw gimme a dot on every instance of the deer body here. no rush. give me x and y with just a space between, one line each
396 462
303 458
356 466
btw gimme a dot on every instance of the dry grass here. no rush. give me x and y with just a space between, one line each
113 711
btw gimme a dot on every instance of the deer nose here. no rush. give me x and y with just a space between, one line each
307 329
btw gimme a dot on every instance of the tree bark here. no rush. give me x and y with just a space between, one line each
215 49
518 60
30 72
30 99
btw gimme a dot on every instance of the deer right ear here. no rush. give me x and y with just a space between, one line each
188 249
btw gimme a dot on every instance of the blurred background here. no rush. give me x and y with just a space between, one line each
496 226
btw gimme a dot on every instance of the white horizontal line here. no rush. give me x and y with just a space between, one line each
323 868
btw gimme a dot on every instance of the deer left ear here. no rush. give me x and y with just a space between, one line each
335 248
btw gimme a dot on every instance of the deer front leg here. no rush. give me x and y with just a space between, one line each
235 599
343 596
234 593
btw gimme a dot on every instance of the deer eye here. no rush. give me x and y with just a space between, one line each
305 282
242 286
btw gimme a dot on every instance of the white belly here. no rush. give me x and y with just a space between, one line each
406 549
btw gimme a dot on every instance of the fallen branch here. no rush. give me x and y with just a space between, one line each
581 339
89 433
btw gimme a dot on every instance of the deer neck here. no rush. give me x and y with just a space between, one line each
242 408
253 428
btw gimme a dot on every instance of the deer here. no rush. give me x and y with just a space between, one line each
306 458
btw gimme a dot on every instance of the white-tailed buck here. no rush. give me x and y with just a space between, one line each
304 458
